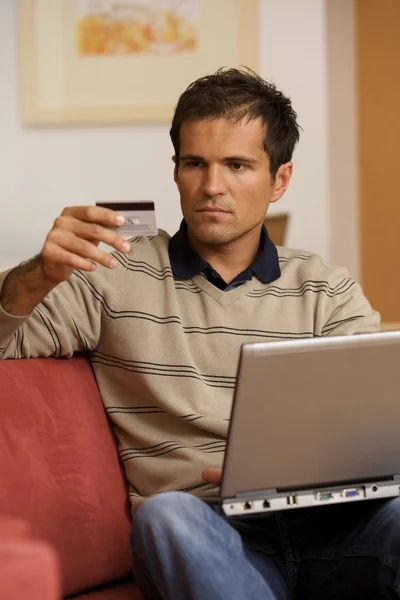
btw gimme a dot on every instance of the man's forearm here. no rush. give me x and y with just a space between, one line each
25 287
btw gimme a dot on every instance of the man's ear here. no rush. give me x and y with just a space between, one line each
282 180
175 169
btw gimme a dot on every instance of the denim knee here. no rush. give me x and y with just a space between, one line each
170 513
181 548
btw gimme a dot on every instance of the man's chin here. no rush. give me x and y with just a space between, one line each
213 234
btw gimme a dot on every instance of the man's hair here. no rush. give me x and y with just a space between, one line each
235 94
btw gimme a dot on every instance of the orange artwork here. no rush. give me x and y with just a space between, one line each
115 27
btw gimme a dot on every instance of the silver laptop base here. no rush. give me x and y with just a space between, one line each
259 503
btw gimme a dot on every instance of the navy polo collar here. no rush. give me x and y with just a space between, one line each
186 263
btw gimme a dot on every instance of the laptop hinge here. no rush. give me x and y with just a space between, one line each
275 491
328 484
256 493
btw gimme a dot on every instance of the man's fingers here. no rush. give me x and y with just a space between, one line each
81 248
63 258
94 231
73 241
91 232
212 476
94 214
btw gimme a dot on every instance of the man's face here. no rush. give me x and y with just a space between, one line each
224 180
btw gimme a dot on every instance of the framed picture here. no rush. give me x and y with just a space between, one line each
125 61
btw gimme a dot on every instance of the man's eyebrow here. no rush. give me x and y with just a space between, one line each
192 157
240 158
235 158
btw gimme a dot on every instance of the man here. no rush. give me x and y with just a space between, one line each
163 320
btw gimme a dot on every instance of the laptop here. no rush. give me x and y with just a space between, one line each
314 422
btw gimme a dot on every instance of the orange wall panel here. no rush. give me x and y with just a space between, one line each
378 73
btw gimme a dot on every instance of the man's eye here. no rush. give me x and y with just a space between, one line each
193 164
237 166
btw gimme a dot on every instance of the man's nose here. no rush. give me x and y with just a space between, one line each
214 181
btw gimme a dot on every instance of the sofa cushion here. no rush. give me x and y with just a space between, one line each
60 468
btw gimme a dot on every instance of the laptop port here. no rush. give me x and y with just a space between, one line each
247 505
292 499
350 493
266 504
324 496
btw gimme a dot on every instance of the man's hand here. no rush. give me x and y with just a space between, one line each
72 242
212 476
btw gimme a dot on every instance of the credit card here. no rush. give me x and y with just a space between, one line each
140 217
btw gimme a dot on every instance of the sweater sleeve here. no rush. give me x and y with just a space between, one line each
68 320
349 312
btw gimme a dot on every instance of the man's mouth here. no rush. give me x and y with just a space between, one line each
212 209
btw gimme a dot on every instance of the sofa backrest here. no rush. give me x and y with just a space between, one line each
59 467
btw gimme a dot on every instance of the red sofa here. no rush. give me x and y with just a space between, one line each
60 474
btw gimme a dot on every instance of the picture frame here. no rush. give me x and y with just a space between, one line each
69 75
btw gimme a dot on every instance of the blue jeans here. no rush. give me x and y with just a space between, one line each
183 549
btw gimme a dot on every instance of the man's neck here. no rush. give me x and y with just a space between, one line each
229 259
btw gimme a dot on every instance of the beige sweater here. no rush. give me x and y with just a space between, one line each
165 350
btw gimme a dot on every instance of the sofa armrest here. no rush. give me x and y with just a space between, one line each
60 470
29 569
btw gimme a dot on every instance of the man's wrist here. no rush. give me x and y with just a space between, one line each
24 287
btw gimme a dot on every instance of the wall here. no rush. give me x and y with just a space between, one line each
293 54
43 170
378 27
343 134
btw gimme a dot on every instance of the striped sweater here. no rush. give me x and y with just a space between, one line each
165 350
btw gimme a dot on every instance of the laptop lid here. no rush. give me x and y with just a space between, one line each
312 412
